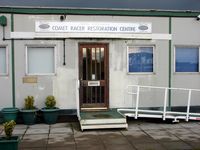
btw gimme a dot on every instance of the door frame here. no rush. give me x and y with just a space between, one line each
106 61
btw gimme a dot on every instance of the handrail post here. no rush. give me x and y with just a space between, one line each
165 104
77 99
188 105
137 102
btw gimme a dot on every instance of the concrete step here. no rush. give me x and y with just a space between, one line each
102 120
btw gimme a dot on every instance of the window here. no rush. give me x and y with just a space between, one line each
3 61
40 60
140 59
187 59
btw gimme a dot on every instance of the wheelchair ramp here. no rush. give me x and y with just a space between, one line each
165 111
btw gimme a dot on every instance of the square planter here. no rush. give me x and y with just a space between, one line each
11 144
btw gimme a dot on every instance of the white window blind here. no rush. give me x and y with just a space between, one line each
40 60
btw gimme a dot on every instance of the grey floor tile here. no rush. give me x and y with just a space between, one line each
39 126
161 135
176 145
119 147
190 125
61 130
60 125
60 140
90 147
21 126
137 137
34 141
37 131
149 146
179 131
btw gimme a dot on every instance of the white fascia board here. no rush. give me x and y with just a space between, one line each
28 35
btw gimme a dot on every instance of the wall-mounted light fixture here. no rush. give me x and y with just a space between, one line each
198 17
63 17
3 21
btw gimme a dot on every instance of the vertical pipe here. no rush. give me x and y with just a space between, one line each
64 63
13 62
188 104
165 104
137 102
169 82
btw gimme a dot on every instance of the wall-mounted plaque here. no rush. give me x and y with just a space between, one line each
30 79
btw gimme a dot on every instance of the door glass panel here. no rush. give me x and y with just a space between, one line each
102 63
89 65
84 63
98 63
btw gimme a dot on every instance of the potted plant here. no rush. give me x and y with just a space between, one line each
50 112
9 142
10 113
29 111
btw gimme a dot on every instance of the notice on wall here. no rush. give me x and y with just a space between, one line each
92 27
29 79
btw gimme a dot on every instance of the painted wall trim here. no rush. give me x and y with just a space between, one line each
13 62
33 35
81 11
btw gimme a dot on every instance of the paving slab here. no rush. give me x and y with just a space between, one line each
37 131
149 146
171 125
119 147
150 126
137 137
176 145
87 139
113 138
21 126
61 130
90 147
194 145
60 140
62 148
179 131
34 141
19 131
39 126
60 125
161 135
190 125
192 137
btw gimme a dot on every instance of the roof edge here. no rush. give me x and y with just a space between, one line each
98 11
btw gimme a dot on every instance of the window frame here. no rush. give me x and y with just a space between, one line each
7 61
40 46
154 62
186 46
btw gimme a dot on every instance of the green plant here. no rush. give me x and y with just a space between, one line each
50 102
8 128
29 102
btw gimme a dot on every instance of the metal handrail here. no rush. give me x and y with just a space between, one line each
165 113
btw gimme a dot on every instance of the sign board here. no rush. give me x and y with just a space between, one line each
30 79
92 27
93 83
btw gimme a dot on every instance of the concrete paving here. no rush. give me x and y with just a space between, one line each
140 135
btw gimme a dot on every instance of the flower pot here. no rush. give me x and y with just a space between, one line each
9 114
50 115
9 144
29 116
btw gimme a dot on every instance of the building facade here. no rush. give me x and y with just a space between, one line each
89 56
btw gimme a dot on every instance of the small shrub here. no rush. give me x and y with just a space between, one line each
8 128
29 102
50 102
